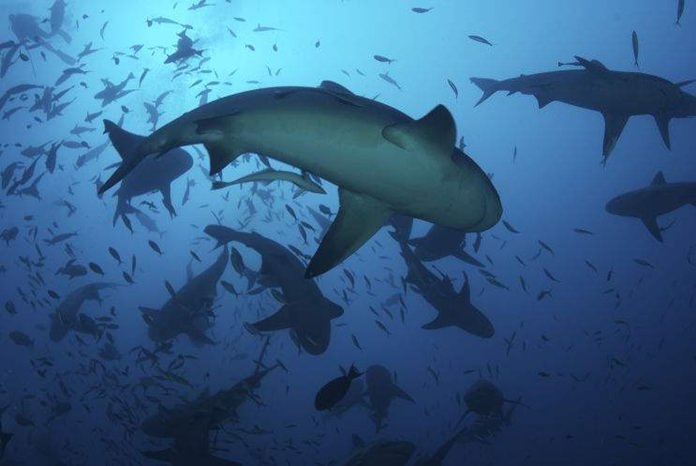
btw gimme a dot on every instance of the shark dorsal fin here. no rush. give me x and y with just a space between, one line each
659 179
334 87
436 131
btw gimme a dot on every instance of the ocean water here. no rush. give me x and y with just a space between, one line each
594 318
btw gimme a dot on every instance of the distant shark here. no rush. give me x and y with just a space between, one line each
307 312
383 161
67 315
189 309
617 95
649 203
453 309
381 391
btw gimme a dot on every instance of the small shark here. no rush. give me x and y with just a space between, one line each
649 203
307 313
381 390
617 95
383 161
113 92
440 242
189 310
453 309
67 315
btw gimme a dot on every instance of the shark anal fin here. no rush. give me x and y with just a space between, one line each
613 127
436 132
653 227
359 217
663 125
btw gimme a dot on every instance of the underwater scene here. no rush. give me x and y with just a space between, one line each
347 232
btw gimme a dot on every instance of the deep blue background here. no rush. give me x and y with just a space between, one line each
556 184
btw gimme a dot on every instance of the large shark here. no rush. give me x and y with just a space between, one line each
189 310
151 175
649 203
382 160
453 309
307 312
67 315
617 95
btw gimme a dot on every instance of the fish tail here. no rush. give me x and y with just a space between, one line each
126 144
488 86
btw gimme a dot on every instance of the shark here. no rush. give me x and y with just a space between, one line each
67 315
454 309
189 424
382 160
381 390
189 310
307 312
617 95
381 453
152 175
648 203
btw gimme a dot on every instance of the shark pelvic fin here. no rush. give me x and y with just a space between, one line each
436 132
653 227
659 179
613 127
663 125
359 217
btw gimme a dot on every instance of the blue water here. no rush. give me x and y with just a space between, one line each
603 380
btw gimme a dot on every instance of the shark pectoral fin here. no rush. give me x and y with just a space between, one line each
220 152
359 217
653 227
399 392
613 126
435 132
663 125
438 322
281 320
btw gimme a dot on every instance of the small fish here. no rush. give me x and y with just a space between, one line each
454 88
643 263
195 256
229 287
420 10
480 39
356 342
96 269
155 247
127 277
383 59
169 288
636 46
551 277
509 227
114 253
390 80
583 231
382 326
680 12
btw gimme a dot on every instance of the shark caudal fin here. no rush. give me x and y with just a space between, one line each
488 86
126 144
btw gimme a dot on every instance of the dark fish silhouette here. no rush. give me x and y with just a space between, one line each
333 392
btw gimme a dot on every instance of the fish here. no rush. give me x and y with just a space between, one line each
268 175
333 391
383 59
636 48
680 12
420 9
454 88
155 247
480 39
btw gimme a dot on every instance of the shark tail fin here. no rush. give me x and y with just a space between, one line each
488 86
126 144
